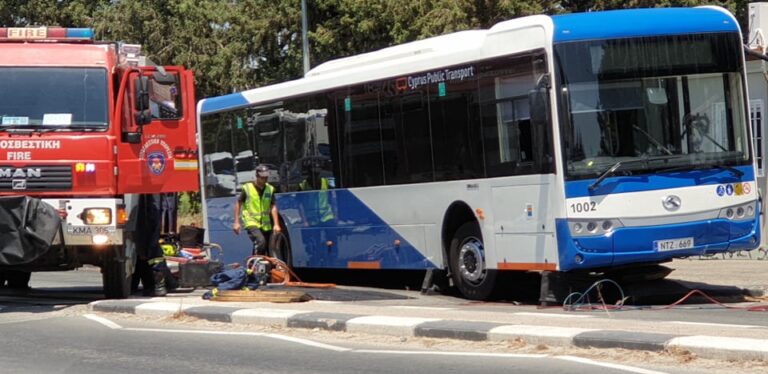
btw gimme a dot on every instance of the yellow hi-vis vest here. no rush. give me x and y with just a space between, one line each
324 208
257 209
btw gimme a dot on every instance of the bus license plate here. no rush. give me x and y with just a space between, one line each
672 244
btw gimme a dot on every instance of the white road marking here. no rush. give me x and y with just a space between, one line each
309 343
103 321
552 315
717 324
608 365
238 333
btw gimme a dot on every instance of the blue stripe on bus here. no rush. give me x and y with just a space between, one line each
225 102
640 22
634 245
357 233
650 182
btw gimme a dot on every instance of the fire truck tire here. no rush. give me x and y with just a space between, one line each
115 274
18 279
468 266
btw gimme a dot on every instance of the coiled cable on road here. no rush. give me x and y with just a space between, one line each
582 301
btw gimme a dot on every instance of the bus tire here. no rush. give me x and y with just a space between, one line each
281 248
115 274
18 279
467 261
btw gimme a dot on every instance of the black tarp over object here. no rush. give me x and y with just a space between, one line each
27 229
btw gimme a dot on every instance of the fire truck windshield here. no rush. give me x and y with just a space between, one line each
53 98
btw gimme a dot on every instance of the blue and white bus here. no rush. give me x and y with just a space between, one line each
593 142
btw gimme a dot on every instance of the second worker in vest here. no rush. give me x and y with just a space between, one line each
257 209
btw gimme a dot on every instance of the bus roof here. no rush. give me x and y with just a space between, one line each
629 23
528 33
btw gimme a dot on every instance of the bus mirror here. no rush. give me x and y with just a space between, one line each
141 97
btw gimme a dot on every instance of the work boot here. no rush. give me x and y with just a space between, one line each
159 283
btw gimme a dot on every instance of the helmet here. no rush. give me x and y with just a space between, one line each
262 171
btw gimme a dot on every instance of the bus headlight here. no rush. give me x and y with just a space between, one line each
97 216
593 227
739 212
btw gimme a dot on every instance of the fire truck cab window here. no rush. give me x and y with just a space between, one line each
164 99
60 98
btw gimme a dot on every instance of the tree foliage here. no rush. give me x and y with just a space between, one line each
239 44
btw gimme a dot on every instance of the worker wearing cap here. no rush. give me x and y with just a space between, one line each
259 213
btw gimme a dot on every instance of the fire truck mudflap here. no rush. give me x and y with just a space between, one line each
27 228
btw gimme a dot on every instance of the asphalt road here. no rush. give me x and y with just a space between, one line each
51 330
78 344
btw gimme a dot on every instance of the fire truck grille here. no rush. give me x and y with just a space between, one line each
35 178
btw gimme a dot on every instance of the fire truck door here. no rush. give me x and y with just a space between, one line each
164 159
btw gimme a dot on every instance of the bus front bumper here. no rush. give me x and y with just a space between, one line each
654 244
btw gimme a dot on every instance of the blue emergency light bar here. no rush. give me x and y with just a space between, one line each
45 34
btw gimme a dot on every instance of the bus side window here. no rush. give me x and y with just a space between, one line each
165 96
511 142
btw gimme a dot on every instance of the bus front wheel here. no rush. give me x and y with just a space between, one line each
468 266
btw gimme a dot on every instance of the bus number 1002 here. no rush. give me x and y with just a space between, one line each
589 206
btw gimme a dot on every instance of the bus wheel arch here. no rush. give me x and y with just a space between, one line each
464 253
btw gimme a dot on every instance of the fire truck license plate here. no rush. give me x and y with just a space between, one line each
672 244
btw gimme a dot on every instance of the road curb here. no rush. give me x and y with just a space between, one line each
724 348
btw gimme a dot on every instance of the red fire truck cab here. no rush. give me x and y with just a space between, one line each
86 127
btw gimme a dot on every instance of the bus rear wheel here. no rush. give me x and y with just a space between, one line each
468 267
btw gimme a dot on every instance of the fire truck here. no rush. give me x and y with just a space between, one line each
86 129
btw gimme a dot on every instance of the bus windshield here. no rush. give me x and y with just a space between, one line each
680 97
53 98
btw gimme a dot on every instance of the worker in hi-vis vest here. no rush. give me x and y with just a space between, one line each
259 213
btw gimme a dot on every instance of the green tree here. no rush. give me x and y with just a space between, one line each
65 13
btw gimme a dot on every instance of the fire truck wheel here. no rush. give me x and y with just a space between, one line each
468 266
18 279
116 278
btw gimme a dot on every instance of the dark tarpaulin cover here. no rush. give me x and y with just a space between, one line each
27 228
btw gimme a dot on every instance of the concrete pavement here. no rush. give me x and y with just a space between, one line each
409 314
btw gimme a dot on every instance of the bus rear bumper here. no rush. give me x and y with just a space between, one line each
654 244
